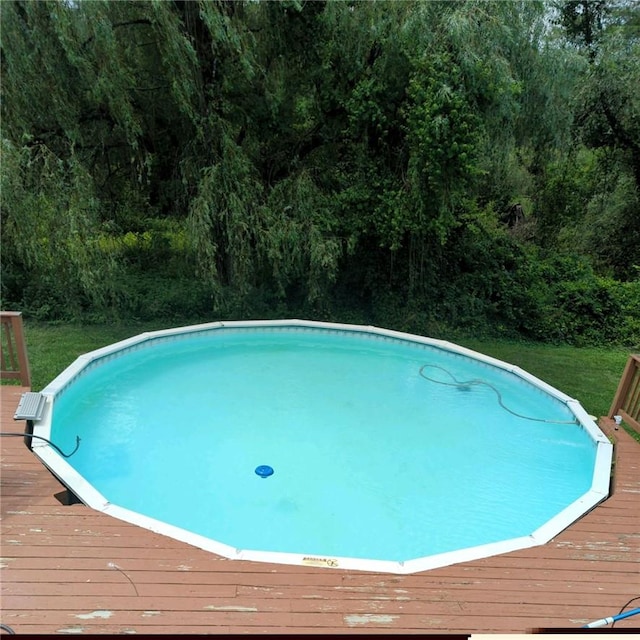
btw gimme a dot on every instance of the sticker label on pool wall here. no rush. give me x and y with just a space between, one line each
320 562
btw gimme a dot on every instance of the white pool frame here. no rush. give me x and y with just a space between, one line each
69 477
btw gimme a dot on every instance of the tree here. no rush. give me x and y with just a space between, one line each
122 94
296 153
583 22
608 121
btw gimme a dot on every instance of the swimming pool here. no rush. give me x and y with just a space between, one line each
323 444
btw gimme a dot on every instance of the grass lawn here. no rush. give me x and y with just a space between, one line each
590 375
53 347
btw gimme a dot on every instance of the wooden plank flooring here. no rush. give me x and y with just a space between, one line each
69 569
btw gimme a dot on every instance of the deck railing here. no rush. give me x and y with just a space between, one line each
13 352
626 402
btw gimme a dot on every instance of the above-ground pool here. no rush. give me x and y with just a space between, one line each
322 444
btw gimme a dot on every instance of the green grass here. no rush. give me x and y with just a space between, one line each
590 375
53 347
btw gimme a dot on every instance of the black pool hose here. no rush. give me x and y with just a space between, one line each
467 384
56 447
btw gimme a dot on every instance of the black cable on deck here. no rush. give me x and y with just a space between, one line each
56 447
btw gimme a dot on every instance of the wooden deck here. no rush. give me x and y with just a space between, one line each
69 569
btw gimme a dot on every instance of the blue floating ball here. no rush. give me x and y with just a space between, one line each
264 471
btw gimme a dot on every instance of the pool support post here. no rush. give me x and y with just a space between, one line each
31 408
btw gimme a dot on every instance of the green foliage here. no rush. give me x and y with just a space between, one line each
442 133
576 306
582 21
608 120
327 159
613 235
300 246
51 233
561 203
589 374
222 218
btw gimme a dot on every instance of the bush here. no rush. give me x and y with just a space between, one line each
572 304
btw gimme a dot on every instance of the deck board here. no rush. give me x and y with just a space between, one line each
69 569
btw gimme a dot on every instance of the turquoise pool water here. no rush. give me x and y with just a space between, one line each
372 458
